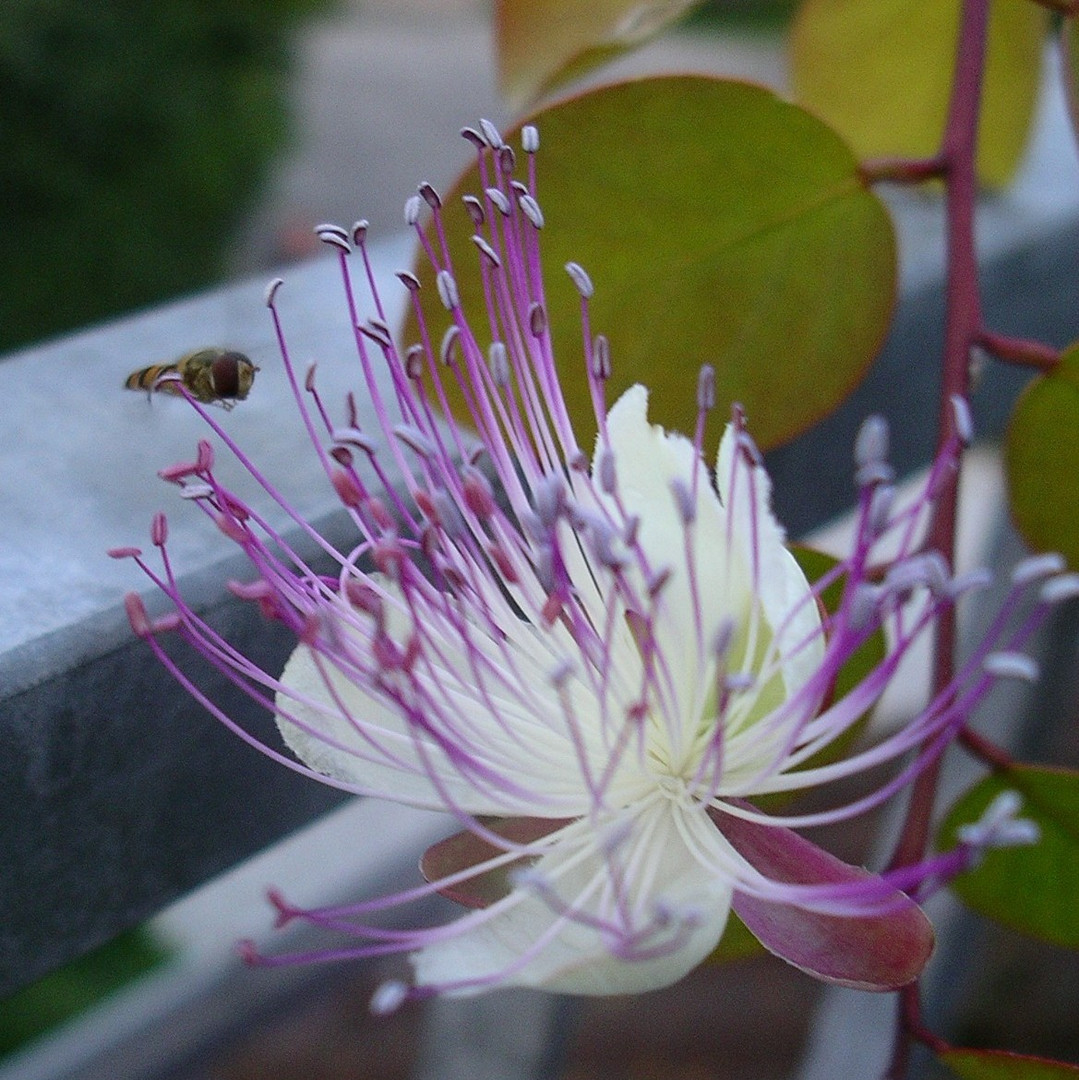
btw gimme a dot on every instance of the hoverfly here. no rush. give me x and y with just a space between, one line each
211 376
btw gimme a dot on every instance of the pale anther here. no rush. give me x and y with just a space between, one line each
388 997
580 279
683 499
475 209
978 578
474 137
607 477
874 473
706 388
414 439
414 361
498 361
429 195
447 290
880 508
1011 665
498 198
1060 588
377 331
748 449
487 251
353 436
864 606
601 358
531 210
871 444
492 136
739 681
335 237
964 425
550 499
271 291
449 513
449 342
724 635
1038 566
999 826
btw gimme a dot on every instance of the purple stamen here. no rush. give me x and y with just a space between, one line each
613 648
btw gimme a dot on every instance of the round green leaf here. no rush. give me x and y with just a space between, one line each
880 71
542 44
720 225
1032 889
1041 457
1001 1065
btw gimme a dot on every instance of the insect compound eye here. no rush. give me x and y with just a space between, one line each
226 374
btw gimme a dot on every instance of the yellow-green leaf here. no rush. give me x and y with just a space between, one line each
737 943
542 44
720 225
1042 460
880 71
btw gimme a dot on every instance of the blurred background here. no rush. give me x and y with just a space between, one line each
149 150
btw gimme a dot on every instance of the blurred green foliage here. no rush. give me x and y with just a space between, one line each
766 16
66 993
133 136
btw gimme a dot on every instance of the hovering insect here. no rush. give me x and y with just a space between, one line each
211 376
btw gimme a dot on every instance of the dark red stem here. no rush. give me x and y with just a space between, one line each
902 170
963 321
981 747
1020 351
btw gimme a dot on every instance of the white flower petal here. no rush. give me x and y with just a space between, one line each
781 589
510 755
680 907
701 594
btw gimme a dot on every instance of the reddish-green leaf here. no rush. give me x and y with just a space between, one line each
881 71
719 224
1042 460
464 850
1032 889
542 44
873 952
1001 1065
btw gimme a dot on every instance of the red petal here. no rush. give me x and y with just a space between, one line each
877 952
464 850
